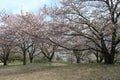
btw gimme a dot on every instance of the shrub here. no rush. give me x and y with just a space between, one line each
58 58
14 57
41 60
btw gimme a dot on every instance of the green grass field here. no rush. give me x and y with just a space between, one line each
60 71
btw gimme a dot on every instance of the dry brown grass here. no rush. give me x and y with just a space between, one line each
60 72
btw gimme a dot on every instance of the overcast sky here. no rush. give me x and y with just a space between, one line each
15 6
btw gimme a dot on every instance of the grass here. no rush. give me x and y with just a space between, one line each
60 71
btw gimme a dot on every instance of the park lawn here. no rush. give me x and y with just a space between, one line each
60 71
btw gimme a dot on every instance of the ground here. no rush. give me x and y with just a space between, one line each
60 71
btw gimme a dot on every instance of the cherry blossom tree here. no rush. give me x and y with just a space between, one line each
98 26
19 26
6 43
33 50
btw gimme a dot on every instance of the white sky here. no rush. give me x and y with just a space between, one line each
15 6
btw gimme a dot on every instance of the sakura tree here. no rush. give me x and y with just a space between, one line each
6 43
98 26
19 26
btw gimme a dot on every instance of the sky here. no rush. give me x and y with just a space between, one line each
15 6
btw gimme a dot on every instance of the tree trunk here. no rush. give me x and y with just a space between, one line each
78 59
31 59
108 56
97 56
50 59
101 59
5 62
5 58
24 58
109 59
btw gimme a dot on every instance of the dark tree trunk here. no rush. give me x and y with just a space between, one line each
5 58
78 59
109 59
98 60
31 59
5 62
108 56
50 59
97 56
24 58
101 59
31 52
